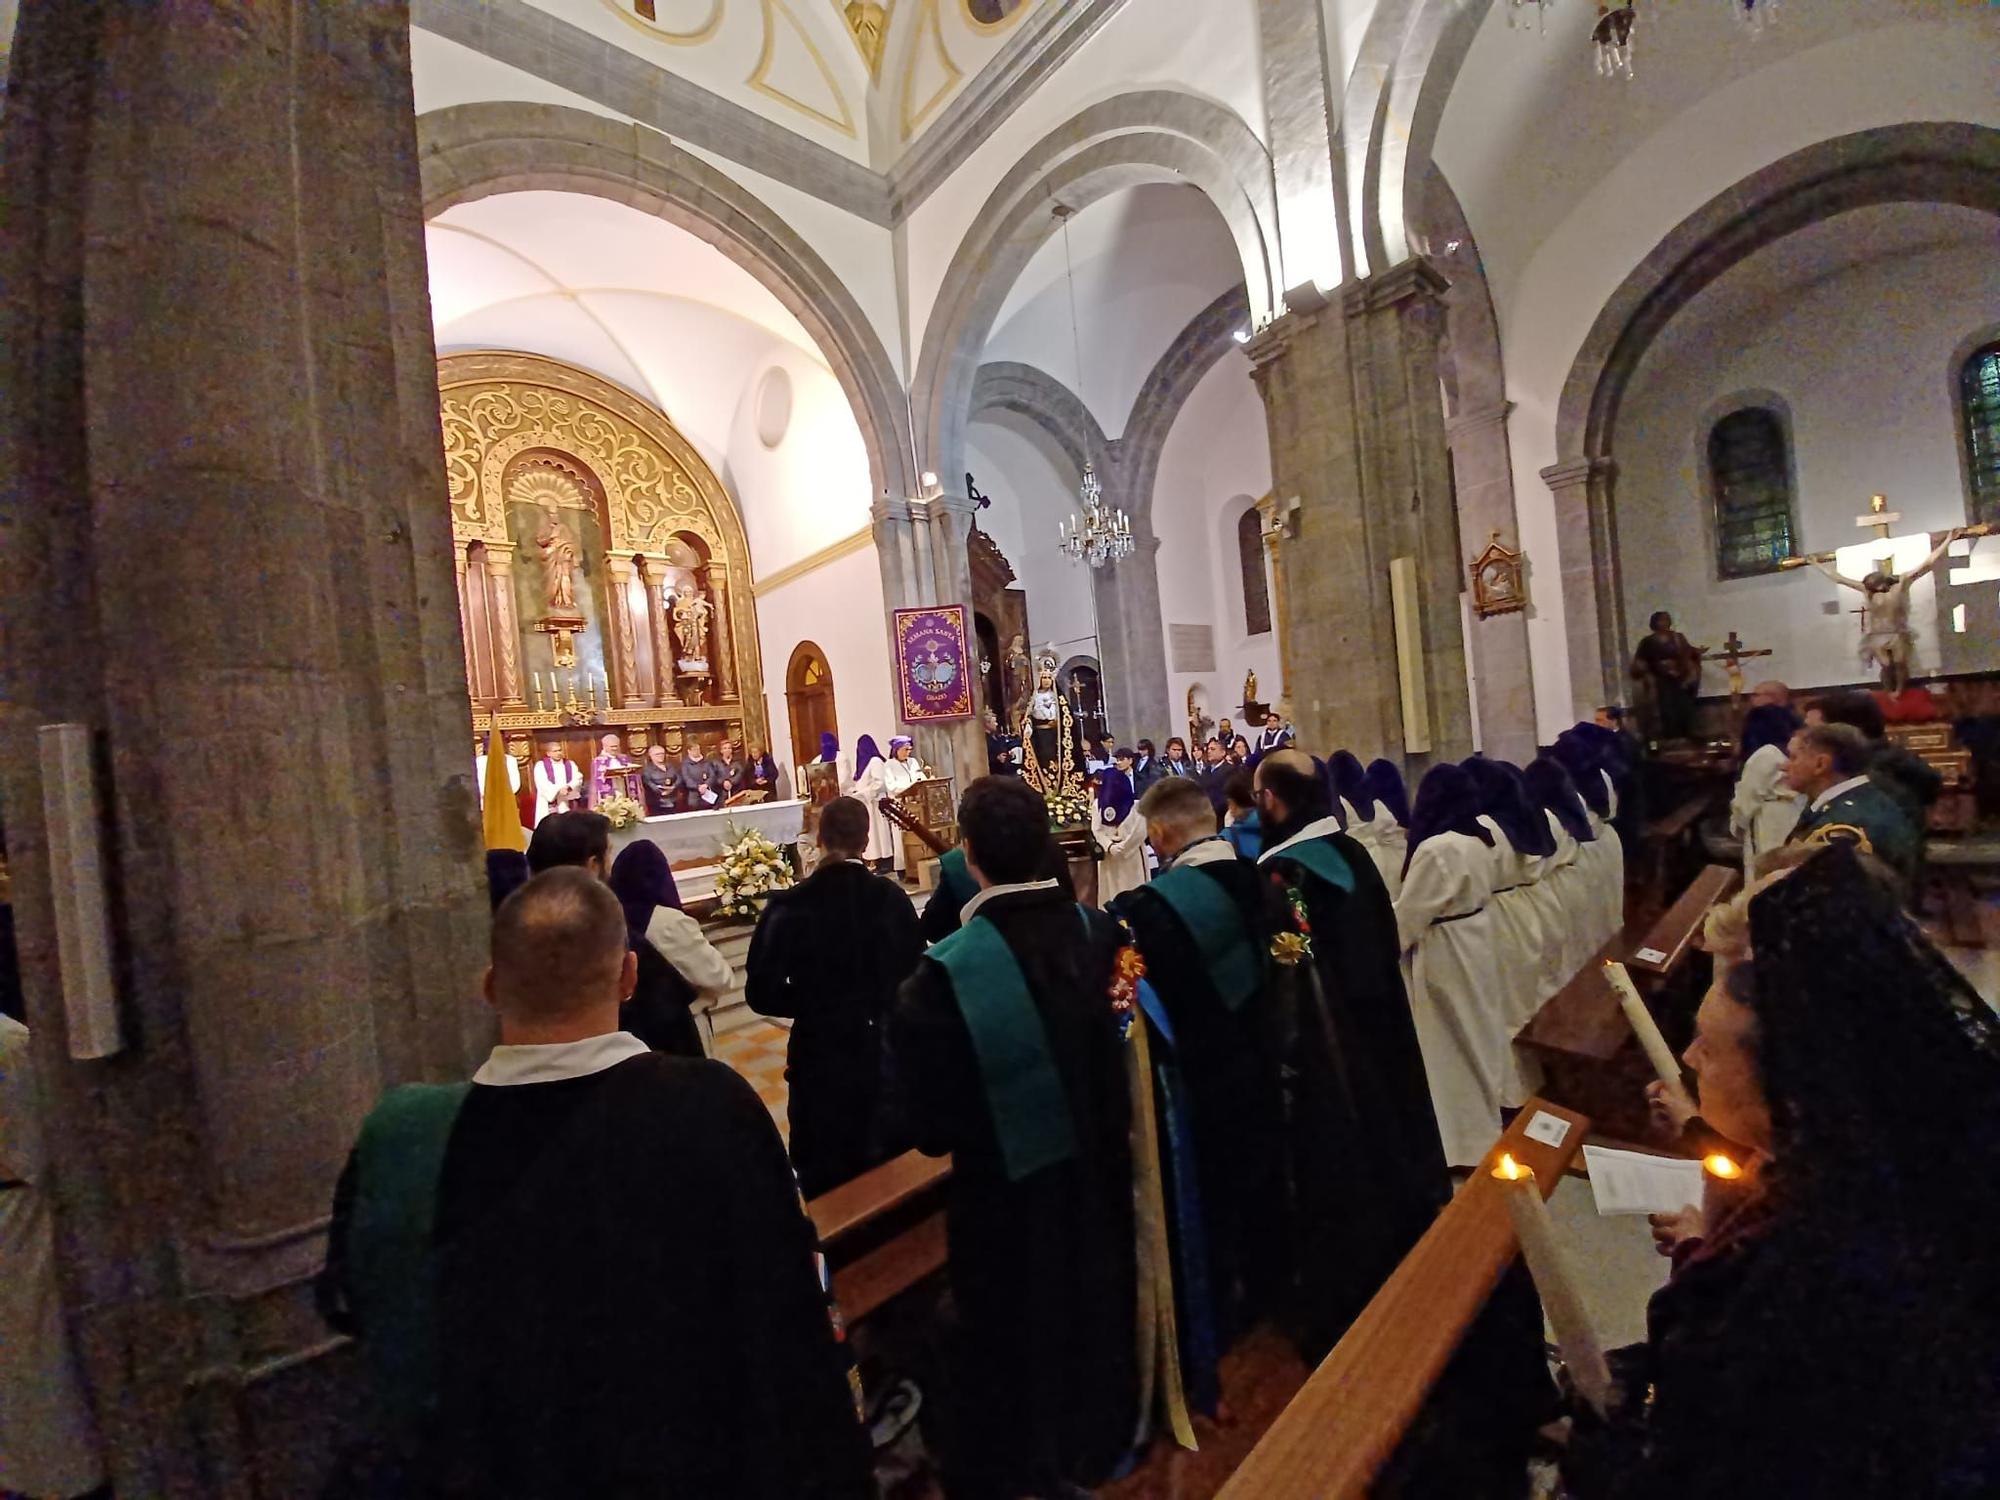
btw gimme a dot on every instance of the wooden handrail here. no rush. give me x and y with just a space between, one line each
878 1191
1673 934
1334 1437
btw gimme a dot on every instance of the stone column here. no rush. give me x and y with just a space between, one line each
626 689
461 563
1482 467
1281 616
1593 598
228 555
505 625
653 570
723 639
1357 434
1300 131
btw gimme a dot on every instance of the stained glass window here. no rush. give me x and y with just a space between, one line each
1750 475
1250 559
1979 409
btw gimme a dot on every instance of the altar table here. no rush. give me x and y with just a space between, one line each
692 840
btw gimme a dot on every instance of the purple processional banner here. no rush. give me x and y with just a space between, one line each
931 664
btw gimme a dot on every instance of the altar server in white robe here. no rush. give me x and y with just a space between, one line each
1521 842
1567 875
1120 835
901 771
1369 823
1764 810
1448 937
558 784
48 1441
479 773
1602 861
1384 783
866 786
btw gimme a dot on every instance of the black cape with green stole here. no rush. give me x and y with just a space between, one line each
1228 1054
1042 1357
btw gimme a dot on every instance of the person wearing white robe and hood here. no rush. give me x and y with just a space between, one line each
1120 835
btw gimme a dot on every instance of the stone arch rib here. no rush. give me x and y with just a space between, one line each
1142 137
473 151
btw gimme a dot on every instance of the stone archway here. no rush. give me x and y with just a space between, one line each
1925 163
473 151
1149 136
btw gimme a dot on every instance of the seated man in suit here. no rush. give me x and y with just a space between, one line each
1828 765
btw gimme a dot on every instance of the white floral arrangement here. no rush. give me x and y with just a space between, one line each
748 867
622 811
1067 808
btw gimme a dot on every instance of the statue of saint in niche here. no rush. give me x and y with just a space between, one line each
691 612
559 564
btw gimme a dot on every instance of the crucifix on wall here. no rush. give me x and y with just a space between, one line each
1732 655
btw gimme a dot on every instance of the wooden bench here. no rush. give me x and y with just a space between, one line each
1671 840
1334 1437
1580 1039
883 1232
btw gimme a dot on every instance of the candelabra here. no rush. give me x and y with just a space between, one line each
1101 535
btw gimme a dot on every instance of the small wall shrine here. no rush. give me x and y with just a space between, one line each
603 574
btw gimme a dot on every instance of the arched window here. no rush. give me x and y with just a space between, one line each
1979 418
1250 559
1750 479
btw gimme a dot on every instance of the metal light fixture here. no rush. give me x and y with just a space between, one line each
1101 534
1612 36
1754 15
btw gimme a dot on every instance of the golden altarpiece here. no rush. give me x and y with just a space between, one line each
603 573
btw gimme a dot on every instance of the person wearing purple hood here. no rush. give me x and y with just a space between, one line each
1602 861
1120 837
1549 784
1370 823
865 786
678 967
1764 809
1384 782
1520 937
1447 935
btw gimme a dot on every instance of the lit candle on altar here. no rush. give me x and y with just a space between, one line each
1648 1032
1582 1354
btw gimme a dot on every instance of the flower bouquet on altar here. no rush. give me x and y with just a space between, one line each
749 868
622 812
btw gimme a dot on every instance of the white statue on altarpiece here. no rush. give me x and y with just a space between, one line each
691 613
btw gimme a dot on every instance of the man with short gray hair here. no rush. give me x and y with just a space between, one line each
588 1272
1828 765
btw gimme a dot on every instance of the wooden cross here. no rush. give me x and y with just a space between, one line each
1881 518
1732 655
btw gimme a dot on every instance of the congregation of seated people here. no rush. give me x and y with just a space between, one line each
1235 1096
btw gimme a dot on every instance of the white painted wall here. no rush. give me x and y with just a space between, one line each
840 608
1147 260
1215 464
1569 181
1862 357
811 489
1210 50
1034 486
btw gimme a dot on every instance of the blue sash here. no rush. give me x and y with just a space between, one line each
1024 1092
1216 925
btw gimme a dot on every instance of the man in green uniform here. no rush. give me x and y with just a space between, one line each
1828 765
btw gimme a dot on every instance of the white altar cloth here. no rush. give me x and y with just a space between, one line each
691 840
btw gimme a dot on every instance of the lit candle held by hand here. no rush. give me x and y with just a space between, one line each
1582 1354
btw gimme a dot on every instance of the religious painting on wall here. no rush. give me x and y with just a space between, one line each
934 684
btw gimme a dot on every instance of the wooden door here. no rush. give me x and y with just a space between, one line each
809 701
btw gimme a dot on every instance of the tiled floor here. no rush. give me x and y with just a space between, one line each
757 1051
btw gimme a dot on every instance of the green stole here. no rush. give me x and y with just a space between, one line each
1216 925
954 879
1024 1092
391 1275
1317 856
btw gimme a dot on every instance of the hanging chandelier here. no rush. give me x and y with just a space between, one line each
1754 15
1515 7
1101 535
1613 38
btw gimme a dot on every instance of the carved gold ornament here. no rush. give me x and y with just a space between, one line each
1499 585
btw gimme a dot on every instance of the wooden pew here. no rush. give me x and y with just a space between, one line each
883 1232
1580 1039
1670 840
1334 1437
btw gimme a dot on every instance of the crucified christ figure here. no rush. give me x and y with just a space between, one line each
1885 614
